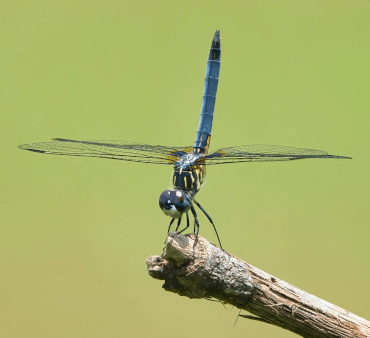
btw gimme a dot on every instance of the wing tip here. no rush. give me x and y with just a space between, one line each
339 157
345 157
26 147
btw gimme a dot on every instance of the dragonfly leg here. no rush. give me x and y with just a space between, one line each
178 224
169 227
187 223
196 224
210 219
168 231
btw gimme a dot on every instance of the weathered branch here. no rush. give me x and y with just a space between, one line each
206 271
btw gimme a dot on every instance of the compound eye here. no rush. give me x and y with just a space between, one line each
179 197
165 196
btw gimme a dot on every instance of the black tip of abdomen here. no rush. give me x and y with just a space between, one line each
217 36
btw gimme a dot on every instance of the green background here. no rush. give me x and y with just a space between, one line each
75 232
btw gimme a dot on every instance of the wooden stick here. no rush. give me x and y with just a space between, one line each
205 271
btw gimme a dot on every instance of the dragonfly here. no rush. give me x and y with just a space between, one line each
189 163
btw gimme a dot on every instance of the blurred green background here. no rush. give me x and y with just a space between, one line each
75 232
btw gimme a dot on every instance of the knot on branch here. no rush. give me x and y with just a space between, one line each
201 271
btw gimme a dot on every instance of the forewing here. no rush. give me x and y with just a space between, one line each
262 153
117 150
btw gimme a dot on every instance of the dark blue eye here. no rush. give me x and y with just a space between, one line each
165 198
176 198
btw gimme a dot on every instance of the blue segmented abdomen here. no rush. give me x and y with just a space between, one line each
203 137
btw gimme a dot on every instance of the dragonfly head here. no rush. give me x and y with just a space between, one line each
174 202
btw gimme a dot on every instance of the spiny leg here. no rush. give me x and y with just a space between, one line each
178 224
210 219
196 223
187 223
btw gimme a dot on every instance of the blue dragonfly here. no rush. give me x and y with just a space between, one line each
189 163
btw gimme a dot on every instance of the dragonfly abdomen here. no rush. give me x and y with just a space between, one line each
203 137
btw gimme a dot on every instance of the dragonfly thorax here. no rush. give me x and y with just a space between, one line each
187 160
189 180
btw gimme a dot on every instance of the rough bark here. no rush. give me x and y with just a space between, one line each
205 271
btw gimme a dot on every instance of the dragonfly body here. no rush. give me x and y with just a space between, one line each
189 172
189 162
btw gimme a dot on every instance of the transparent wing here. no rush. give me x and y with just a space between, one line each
117 150
262 153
